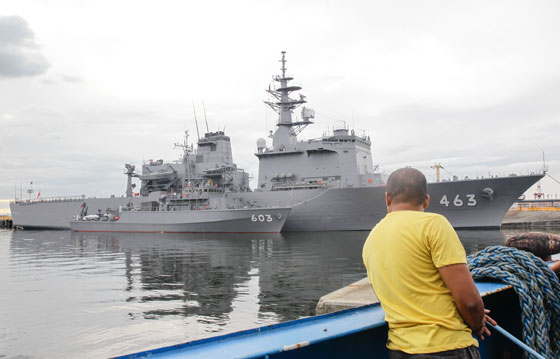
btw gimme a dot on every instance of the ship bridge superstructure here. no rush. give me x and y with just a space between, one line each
208 168
338 160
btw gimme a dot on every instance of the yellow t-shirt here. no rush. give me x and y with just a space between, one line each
401 255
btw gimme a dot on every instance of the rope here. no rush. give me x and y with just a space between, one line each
538 289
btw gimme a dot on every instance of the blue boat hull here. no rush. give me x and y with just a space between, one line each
354 333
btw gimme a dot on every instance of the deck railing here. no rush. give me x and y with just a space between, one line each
50 200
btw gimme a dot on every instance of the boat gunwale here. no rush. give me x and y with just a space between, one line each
364 313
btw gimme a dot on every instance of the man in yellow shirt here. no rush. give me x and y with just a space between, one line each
418 269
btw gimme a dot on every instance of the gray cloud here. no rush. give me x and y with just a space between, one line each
56 79
19 55
71 78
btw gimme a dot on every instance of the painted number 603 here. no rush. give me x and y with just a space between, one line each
261 218
458 201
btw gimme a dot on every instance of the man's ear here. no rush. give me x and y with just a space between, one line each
388 202
426 202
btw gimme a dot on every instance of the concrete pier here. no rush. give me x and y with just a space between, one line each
353 295
524 218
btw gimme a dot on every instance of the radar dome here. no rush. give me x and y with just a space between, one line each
261 143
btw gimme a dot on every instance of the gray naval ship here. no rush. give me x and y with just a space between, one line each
201 204
186 218
329 182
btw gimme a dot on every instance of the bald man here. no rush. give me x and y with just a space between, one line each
418 269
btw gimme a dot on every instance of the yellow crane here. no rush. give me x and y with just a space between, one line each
437 167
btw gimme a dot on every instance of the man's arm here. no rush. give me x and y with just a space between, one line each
458 280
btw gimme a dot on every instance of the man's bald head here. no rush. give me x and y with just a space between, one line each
407 185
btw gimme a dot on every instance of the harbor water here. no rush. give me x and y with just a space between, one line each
67 295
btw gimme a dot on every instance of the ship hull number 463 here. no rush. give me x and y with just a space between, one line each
458 200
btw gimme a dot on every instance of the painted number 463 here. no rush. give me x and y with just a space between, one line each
458 201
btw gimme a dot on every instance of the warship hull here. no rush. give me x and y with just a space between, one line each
465 203
250 220
56 213
461 202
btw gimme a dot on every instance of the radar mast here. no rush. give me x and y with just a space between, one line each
287 131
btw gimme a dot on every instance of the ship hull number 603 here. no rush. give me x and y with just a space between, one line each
261 218
458 201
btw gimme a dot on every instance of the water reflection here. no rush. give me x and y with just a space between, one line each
107 294
183 275
202 275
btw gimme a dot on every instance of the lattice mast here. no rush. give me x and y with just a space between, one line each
287 131
187 155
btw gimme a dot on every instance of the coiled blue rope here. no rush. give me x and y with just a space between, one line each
538 289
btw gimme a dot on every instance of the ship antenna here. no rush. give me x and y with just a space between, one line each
205 120
283 61
195 121
544 166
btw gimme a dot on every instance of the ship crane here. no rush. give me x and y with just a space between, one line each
129 172
437 167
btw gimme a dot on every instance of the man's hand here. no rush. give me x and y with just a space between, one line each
458 280
484 330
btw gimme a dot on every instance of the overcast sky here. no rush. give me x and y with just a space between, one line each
87 86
